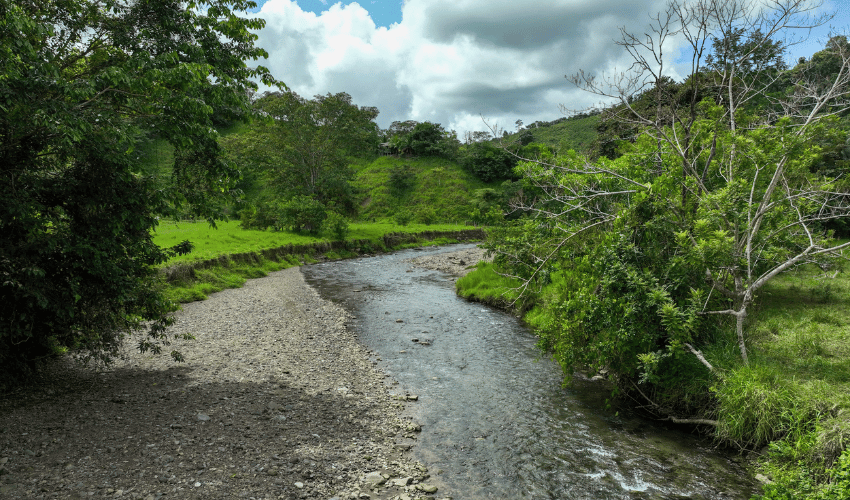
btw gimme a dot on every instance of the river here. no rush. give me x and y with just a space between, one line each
496 420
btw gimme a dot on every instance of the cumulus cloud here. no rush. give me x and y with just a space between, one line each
452 61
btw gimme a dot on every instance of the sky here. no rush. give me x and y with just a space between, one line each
466 64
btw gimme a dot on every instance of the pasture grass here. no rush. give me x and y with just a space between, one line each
228 238
791 403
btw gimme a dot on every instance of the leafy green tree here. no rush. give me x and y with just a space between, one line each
489 162
308 145
83 82
422 139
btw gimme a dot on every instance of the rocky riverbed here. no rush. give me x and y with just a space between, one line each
458 263
276 399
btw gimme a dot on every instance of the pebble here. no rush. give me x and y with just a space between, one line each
373 480
402 481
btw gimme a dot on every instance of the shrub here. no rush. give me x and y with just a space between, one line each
402 180
262 216
403 217
335 226
302 213
426 215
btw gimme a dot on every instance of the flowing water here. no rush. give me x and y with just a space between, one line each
496 420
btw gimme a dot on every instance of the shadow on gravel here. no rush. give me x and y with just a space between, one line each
132 433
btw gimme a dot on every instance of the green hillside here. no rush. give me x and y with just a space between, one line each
420 185
576 132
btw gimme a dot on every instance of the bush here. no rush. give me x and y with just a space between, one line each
335 227
402 180
302 213
426 215
262 216
403 217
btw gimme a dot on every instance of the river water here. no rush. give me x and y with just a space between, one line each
496 419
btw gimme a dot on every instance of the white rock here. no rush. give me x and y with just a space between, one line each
373 480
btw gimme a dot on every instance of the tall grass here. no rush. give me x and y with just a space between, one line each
486 285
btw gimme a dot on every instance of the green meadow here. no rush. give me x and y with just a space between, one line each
228 238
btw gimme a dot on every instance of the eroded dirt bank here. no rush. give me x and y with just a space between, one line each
276 399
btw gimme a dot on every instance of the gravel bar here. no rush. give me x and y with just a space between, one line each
276 399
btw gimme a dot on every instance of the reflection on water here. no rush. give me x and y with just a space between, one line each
496 422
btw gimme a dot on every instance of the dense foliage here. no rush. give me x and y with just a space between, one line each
646 257
421 139
302 148
83 82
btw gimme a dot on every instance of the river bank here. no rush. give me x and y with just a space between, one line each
276 399
496 420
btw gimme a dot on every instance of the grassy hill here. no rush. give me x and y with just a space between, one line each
577 132
390 184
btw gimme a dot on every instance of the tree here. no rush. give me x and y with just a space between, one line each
471 137
83 82
489 162
311 143
714 199
423 139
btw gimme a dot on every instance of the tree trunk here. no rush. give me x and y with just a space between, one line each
739 328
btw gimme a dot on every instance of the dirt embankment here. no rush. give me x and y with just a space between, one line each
276 399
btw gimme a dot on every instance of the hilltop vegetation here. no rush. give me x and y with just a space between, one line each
578 132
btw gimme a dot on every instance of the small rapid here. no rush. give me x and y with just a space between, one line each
496 420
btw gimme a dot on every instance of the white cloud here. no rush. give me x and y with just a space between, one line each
452 61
